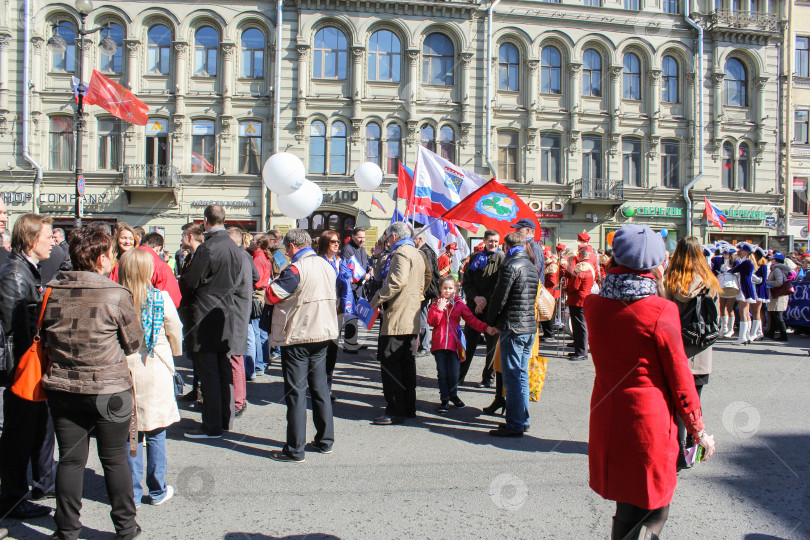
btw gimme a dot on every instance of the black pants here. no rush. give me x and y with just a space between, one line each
331 361
27 438
579 330
301 365
777 325
472 337
684 444
76 418
629 520
216 382
398 366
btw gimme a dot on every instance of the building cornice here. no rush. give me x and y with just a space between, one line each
421 8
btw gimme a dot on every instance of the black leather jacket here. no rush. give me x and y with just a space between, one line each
511 306
20 294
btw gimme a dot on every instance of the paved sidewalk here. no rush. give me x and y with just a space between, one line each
442 476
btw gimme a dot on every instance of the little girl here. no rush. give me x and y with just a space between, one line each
448 344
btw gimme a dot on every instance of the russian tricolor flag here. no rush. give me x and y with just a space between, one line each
356 268
714 215
376 202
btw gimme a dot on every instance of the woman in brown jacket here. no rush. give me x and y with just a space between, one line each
89 327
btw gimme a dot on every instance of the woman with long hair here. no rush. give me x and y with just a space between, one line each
759 280
329 245
257 358
687 276
152 368
748 296
125 239
727 300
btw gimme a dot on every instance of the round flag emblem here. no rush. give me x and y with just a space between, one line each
497 206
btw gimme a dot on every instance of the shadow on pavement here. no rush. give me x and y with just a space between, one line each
259 536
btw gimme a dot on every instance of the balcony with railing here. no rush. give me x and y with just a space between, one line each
150 177
598 190
744 21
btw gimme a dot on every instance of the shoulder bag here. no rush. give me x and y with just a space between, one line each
28 377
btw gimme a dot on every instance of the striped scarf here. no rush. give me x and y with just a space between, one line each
152 319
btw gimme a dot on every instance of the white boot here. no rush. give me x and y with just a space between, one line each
756 330
723 325
745 328
730 329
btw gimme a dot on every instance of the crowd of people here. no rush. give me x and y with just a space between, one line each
118 312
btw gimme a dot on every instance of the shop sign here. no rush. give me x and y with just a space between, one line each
651 211
543 210
157 126
203 128
51 199
223 204
250 129
548 215
341 196
770 221
750 215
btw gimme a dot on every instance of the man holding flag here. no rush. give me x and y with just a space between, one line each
356 258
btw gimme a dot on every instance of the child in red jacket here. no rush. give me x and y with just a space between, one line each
447 344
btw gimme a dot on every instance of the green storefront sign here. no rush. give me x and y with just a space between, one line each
750 215
651 211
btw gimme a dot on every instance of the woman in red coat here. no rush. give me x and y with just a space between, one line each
642 380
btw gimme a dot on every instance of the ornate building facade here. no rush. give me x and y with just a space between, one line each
595 108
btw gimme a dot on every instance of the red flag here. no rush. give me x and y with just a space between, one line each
494 206
116 99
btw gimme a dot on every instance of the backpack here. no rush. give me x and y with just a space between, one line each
6 360
700 324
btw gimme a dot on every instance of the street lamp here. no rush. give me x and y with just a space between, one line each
57 44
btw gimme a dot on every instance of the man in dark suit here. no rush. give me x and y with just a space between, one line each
208 286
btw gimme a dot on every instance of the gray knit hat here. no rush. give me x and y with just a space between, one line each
638 247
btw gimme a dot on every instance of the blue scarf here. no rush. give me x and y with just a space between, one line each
334 263
628 287
152 319
387 267
481 260
301 253
512 251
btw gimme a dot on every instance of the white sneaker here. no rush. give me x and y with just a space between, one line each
169 495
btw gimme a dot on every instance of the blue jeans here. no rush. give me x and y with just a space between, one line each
155 465
447 367
257 353
516 349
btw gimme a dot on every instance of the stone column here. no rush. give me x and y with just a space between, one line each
465 122
532 64
357 80
180 78
413 79
655 109
717 110
5 41
302 48
574 71
759 85
133 75
228 79
615 100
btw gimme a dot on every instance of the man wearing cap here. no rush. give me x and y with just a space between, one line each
526 227
446 260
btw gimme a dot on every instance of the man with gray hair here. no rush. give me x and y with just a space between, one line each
405 278
304 323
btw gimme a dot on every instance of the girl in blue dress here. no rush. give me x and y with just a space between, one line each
745 269
761 289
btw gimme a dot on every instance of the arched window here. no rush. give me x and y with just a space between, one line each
437 62
508 68
393 143
113 64
736 80
632 77
331 49
384 56
158 50
447 143
66 60
744 168
591 74
337 149
550 60
373 143
428 137
317 147
206 42
669 80
61 135
728 165
253 53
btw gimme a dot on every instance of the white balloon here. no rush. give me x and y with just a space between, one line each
392 192
302 202
284 173
368 176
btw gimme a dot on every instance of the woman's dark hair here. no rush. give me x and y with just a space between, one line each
86 245
324 240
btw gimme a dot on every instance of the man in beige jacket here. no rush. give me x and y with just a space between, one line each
405 278
304 322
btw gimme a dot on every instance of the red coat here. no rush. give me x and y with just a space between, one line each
265 268
578 284
642 379
163 278
445 325
552 280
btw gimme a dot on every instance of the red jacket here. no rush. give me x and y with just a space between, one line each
163 278
578 284
642 379
552 279
265 268
446 323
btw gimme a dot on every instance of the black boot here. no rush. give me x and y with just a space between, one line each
500 401
780 325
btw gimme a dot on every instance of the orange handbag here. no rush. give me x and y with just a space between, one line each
28 377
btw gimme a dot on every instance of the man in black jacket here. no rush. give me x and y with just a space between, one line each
511 310
354 248
3 227
207 288
479 282
431 293
28 436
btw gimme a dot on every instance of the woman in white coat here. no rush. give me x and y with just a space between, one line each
153 374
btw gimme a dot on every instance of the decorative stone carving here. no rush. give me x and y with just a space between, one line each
760 151
616 72
465 57
132 46
464 135
129 133
655 75
5 40
3 121
574 68
36 44
533 64
531 143
655 141
717 78
228 50
357 125
300 126
302 48
573 141
760 83
412 137
413 55
177 125
225 127
613 140
357 53
180 47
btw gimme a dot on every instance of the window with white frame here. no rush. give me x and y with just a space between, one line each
109 144
250 147
61 139
206 43
113 64
736 83
428 137
508 68
800 126
550 158
744 167
447 143
158 50
671 6
384 57
591 156
253 53
670 163
373 143
727 166
669 80
592 73
631 77
338 148
631 161
329 56
203 146
508 155
317 147
393 148
803 56
438 59
550 64
65 60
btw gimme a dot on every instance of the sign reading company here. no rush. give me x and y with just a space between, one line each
46 199
651 211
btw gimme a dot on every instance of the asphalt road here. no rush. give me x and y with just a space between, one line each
442 476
